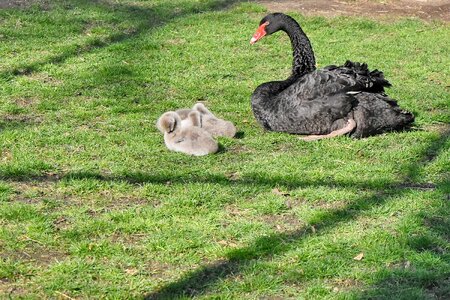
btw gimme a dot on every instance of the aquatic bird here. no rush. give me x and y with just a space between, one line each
209 122
329 102
186 137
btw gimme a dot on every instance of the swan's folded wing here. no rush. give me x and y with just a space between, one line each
332 80
371 81
312 104
320 85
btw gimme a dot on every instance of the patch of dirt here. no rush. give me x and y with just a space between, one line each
341 285
235 211
39 191
379 9
21 119
22 3
44 78
158 269
6 155
128 238
36 193
283 222
14 3
14 291
34 253
25 102
384 9
319 204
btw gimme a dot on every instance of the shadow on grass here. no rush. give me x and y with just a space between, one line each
390 282
422 281
144 19
428 277
435 281
199 281
141 19
394 284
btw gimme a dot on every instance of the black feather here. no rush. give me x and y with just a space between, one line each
314 101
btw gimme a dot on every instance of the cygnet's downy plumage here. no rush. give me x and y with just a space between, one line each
186 136
209 122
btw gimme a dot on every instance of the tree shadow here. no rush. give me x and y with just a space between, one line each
138 178
144 19
202 280
198 282
141 19
420 279
428 155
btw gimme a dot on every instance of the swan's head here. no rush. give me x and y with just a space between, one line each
168 122
268 25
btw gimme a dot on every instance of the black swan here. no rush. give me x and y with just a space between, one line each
323 103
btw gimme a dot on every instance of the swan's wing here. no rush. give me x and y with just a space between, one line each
372 81
183 113
317 116
202 109
312 104
194 117
349 77
323 84
377 113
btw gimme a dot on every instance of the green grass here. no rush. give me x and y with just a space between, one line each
92 204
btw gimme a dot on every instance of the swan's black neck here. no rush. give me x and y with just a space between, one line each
304 61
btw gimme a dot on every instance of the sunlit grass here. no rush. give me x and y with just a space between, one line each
93 205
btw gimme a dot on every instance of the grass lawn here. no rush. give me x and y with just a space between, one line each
92 204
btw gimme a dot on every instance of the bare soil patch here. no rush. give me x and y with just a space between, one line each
380 9
12 3
384 9
35 253
22 3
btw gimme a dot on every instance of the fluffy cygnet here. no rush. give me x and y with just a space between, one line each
186 136
209 122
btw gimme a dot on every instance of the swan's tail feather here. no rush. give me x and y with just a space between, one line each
374 81
377 113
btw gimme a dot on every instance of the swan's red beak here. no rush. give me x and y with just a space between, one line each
259 33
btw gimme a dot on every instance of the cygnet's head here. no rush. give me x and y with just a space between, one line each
168 122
